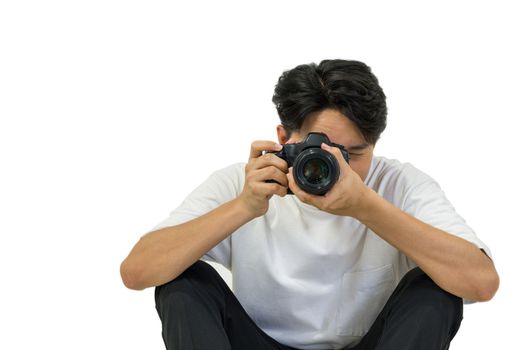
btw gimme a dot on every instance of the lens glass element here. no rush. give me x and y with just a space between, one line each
316 171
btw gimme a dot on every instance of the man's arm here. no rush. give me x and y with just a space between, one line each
162 255
455 264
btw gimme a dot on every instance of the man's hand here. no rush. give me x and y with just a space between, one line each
347 195
261 168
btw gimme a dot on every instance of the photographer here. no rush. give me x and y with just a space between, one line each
329 246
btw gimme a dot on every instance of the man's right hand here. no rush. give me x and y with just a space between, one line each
261 168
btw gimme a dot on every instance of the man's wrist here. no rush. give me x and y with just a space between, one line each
242 210
367 202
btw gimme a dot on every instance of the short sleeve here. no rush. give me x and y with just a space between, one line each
427 202
220 187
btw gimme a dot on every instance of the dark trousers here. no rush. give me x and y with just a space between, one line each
199 311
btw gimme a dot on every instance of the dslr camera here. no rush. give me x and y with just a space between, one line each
314 170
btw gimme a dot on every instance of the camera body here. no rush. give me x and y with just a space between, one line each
314 170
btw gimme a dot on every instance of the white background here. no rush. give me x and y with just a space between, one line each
112 111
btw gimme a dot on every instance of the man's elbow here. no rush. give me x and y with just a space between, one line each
130 276
489 287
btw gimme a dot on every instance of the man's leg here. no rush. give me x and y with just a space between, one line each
418 315
199 311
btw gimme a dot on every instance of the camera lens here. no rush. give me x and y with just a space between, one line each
316 171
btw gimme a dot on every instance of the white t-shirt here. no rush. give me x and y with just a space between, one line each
314 280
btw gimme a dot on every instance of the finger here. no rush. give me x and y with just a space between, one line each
279 190
302 195
336 152
270 159
258 147
279 176
269 189
269 173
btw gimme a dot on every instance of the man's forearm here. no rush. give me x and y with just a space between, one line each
162 255
455 264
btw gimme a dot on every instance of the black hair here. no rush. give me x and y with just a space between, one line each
347 86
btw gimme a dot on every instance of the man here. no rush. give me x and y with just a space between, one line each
381 261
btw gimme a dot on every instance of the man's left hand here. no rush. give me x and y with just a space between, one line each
347 195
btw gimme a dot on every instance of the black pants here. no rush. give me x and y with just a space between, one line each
199 311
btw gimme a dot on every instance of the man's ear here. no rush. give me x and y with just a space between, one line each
282 135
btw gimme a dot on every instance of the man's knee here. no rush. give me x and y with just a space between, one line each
194 277
170 293
420 315
433 304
